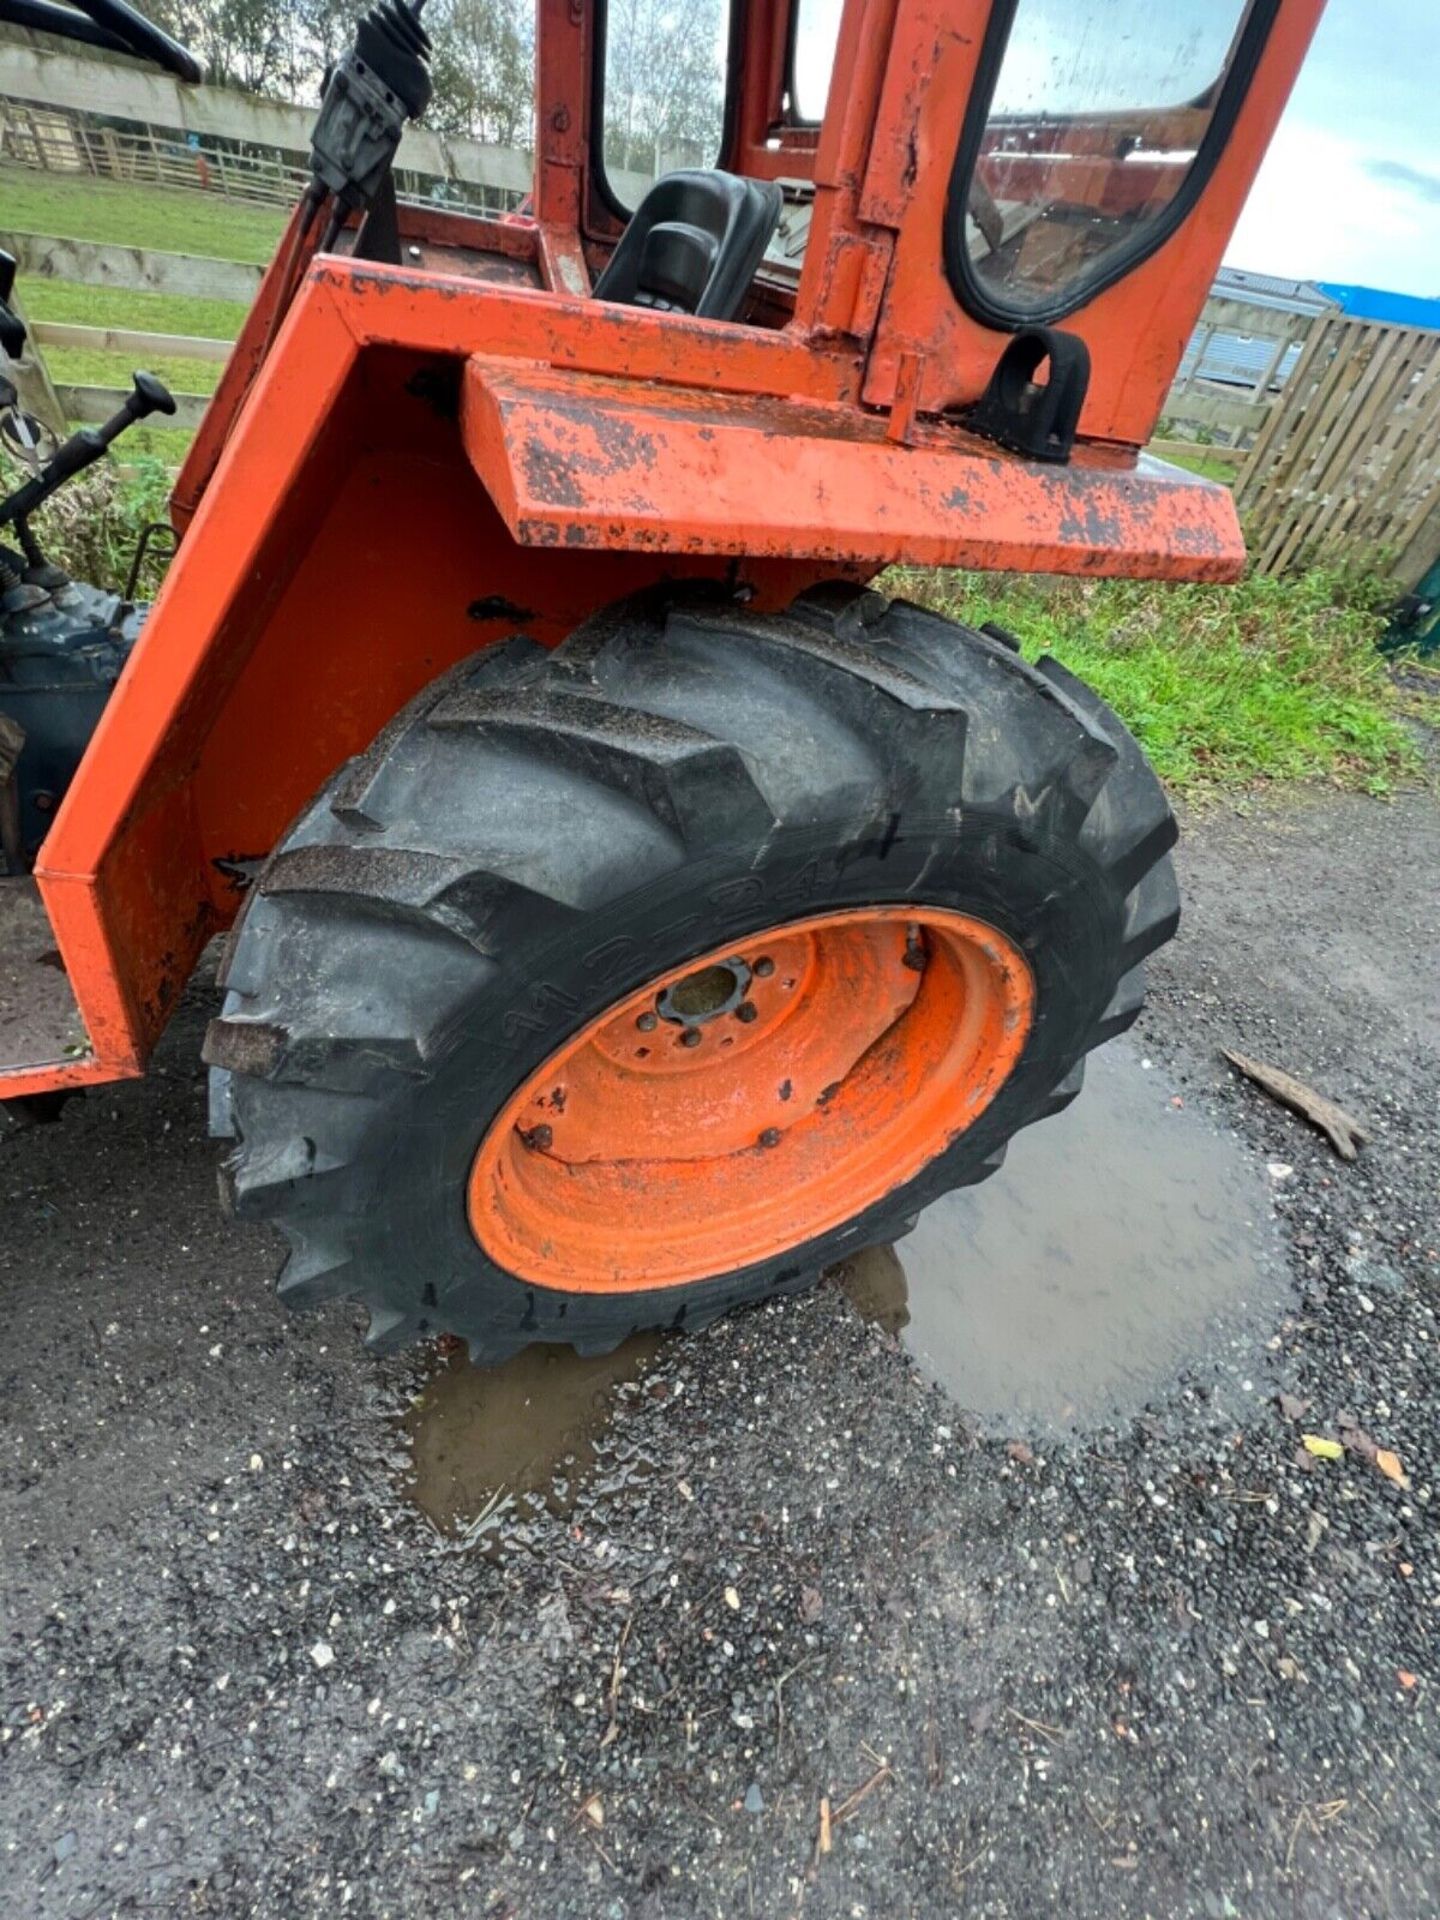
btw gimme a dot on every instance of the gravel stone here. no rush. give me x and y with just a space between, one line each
1028 1688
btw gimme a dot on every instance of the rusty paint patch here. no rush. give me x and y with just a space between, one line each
549 476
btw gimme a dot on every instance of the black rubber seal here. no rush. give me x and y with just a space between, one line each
977 300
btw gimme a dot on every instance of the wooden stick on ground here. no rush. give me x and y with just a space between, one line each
1343 1131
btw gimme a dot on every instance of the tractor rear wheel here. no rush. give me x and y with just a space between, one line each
620 984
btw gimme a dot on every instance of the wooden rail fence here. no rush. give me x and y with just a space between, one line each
112 89
98 263
92 405
167 346
91 263
53 140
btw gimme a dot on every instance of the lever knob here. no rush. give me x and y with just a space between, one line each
148 395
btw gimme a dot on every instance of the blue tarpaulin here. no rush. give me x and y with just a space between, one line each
1374 303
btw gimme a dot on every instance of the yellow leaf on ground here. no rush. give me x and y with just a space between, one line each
1321 1448
1389 1465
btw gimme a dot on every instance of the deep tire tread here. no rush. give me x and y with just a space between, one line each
677 771
850 709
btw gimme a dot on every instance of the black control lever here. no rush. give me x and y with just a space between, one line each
84 447
370 92
12 327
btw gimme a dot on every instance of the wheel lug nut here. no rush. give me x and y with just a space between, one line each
764 967
647 1023
770 1137
746 1011
690 1037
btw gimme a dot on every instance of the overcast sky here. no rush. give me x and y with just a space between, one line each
1350 190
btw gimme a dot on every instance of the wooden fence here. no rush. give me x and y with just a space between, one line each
1348 463
62 100
54 141
93 263
100 263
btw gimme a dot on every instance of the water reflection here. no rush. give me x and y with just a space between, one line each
1122 1241
1113 1248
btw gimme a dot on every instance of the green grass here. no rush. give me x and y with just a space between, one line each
84 367
143 313
176 222
1203 463
169 219
1223 686
168 445
81 306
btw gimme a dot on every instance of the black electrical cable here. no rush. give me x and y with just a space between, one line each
332 229
310 205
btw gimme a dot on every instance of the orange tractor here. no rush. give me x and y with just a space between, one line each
631 910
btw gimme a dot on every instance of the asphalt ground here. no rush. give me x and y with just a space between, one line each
811 1638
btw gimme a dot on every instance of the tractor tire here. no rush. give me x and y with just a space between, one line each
618 985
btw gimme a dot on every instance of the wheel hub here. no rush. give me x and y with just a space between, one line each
707 994
750 1100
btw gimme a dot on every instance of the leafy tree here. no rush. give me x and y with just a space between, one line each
483 68
664 81
325 27
251 44
483 63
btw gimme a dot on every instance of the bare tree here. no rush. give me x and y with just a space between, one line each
664 84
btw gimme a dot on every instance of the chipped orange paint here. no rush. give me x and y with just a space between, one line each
579 461
829 1062
420 459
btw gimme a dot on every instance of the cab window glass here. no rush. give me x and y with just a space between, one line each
1096 122
815 28
664 104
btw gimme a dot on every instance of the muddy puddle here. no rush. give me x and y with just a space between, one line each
1121 1243
490 1444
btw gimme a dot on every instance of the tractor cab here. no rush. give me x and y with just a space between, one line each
980 220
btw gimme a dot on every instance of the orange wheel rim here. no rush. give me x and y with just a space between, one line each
751 1100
